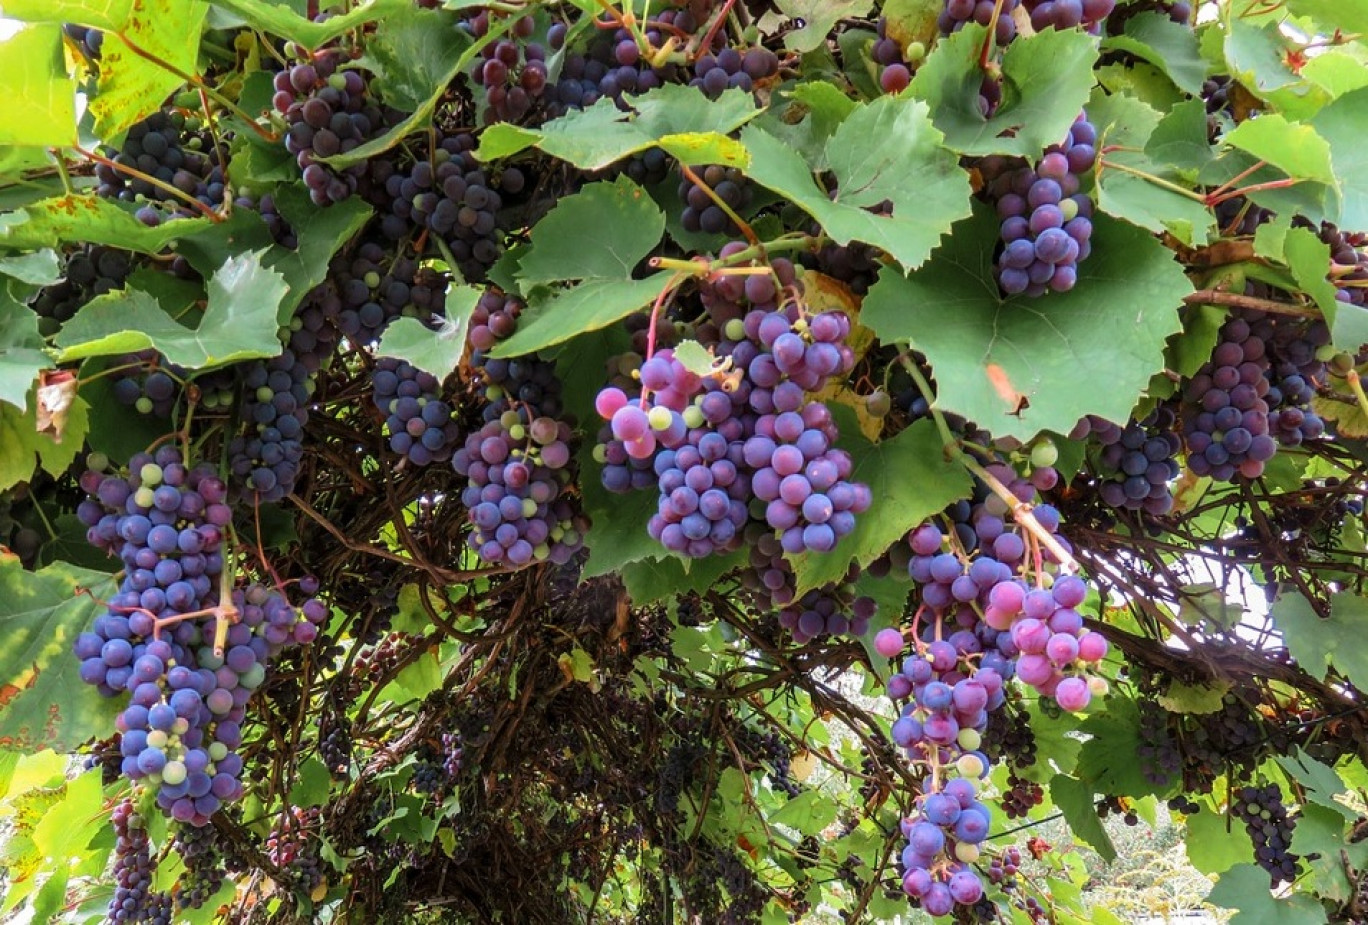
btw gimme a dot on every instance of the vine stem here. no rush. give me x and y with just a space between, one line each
1356 386
1104 163
1240 300
721 203
989 40
1021 512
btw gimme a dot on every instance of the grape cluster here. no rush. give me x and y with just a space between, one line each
518 466
134 900
265 459
198 847
145 382
1068 14
1295 368
294 851
730 69
1136 464
1160 761
90 41
438 765
90 271
420 423
1348 263
943 842
512 70
1270 827
956 14
162 147
1046 222
328 112
1225 409
613 65
701 212
365 291
453 197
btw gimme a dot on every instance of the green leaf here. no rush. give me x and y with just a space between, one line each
131 85
816 110
1341 125
1180 138
886 150
21 353
415 52
20 442
604 230
1245 888
279 19
1320 781
809 812
1046 80
438 352
238 322
1075 800
1254 54
556 316
1113 732
1199 699
45 703
40 268
1293 148
102 14
601 135
40 96
910 477
1021 366
1216 843
321 233
818 17
654 578
1333 642
1319 839
1308 257
78 218
1170 46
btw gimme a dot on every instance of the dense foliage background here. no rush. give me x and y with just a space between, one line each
685 462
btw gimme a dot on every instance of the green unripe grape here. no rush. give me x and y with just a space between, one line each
1068 208
600 453
173 773
265 394
143 497
337 81
1341 363
143 405
915 51
180 727
98 461
693 416
517 432
157 739
541 553
217 751
529 507
509 419
207 659
969 739
734 329
570 537
966 852
660 417
253 677
556 533
1044 453
371 279
970 766
879 404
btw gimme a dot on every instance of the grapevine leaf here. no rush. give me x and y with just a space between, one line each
1293 148
1319 839
908 21
1114 732
280 19
1341 125
603 230
64 832
40 97
1180 138
1307 256
885 151
21 354
1245 888
596 137
414 53
1333 15
1214 843
131 85
1046 80
552 317
1194 698
655 578
1320 781
101 14
810 812
238 321
910 477
45 702
1254 54
21 442
1170 46
817 18
40 268
819 108
1075 800
1014 366
438 352
1332 642
89 219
